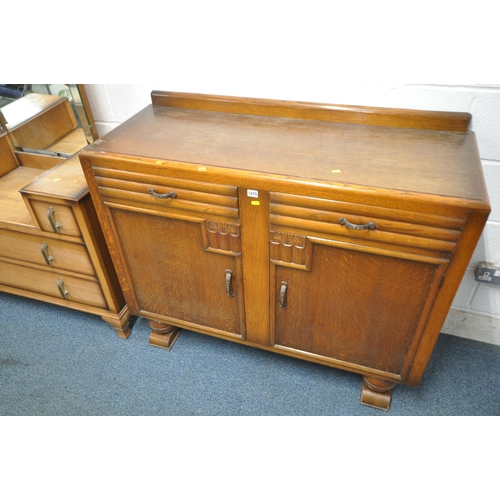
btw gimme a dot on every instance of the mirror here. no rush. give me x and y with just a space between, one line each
48 119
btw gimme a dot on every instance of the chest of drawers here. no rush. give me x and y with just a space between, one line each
337 235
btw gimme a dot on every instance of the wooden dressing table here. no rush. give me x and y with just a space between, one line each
51 244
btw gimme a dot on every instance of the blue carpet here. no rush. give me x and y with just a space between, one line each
55 361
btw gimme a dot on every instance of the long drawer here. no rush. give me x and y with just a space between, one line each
364 223
52 284
43 250
154 191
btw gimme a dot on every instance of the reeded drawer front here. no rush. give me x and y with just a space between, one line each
55 218
363 222
158 192
50 252
52 284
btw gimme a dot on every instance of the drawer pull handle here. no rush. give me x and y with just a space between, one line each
283 288
62 291
51 216
45 252
172 194
346 223
229 276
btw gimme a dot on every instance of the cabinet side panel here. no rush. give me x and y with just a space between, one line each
454 275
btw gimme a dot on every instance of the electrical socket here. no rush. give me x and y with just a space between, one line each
486 272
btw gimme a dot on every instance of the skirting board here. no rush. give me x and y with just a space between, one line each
474 326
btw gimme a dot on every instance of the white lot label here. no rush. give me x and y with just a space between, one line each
251 193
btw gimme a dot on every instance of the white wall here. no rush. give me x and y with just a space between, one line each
476 309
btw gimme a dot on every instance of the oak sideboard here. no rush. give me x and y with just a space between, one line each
334 234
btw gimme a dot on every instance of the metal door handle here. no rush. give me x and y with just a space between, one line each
45 252
51 216
357 227
62 291
229 276
283 288
172 194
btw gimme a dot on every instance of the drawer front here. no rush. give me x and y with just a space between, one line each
50 252
158 192
52 284
369 224
55 218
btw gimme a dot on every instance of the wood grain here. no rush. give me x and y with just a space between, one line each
369 321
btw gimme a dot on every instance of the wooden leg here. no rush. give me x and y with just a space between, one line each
163 335
376 393
120 322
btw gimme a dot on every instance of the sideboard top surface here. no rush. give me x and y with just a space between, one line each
435 162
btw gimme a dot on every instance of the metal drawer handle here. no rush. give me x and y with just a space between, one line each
172 194
45 252
346 223
51 216
229 276
62 291
283 288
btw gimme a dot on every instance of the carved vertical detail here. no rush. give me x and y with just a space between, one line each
223 236
288 248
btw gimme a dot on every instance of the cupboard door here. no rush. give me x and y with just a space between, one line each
354 309
174 275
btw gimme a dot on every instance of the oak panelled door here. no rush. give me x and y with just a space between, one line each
178 277
354 307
